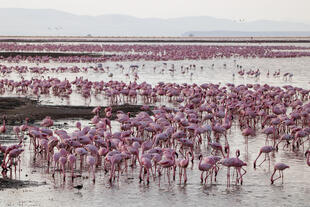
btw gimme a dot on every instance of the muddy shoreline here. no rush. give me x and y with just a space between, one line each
6 183
17 109
50 54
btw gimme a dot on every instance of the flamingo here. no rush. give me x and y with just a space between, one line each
204 166
238 164
2 128
13 154
71 160
116 159
307 154
266 150
168 162
62 162
146 164
183 165
280 167
91 161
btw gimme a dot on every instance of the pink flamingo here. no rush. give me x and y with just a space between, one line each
280 167
56 157
238 164
24 127
78 125
16 129
204 166
146 164
228 162
91 161
266 150
2 128
307 154
183 165
47 122
116 159
81 151
72 160
217 147
96 110
168 162
62 162
13 155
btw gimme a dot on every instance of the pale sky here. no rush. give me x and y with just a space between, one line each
288 10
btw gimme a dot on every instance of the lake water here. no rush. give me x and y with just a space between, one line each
256 189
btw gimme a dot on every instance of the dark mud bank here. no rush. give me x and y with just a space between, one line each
17 184
17 109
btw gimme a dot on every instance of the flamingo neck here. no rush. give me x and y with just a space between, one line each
228 152
257 158
200 162
274 171
187 156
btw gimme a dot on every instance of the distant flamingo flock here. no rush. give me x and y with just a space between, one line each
166 141
136 52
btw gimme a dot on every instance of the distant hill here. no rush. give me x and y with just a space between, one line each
52 22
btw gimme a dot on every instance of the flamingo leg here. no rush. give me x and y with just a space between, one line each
262 161
201 176
143 173
228 176
185 176
168 174
206 178
282 177
180 174
148 176
278 177
152 174
211 173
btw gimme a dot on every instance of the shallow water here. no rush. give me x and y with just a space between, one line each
218 73
255 191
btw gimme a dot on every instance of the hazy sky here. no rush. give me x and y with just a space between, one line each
289 10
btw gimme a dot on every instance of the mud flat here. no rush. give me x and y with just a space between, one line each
6 183
50 54
17 109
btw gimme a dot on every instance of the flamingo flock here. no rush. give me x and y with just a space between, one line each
123 52
114 91
170 140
